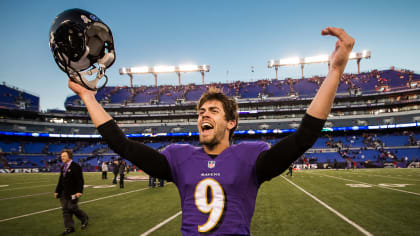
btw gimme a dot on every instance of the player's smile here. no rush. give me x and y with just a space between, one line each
207 127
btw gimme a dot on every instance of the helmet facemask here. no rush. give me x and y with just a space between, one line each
82 47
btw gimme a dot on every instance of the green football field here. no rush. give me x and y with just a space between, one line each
313 202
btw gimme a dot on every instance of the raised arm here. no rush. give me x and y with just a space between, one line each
273 162
143 156
96 112
321 105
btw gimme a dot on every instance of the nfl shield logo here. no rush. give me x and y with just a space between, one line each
211 164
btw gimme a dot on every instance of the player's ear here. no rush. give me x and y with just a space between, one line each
231 124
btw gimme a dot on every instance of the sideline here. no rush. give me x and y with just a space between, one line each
358 227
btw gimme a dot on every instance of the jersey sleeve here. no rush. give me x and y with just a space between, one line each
167 153
278 158
146 158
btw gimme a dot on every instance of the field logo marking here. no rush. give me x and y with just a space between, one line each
104 186
359 185
379 186
394 185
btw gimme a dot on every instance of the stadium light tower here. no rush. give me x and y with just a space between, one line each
155 70
315 59
358 56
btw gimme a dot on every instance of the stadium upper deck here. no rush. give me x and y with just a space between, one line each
371 98
351 84
13 98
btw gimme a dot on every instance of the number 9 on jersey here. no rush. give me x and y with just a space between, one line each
214 208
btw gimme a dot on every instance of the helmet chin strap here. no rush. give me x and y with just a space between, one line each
73 73
79 77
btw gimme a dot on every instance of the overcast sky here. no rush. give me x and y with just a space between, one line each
230 36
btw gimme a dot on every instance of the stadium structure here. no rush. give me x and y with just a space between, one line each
374 121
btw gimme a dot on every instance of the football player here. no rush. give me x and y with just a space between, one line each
218 182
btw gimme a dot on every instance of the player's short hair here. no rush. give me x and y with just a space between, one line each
69 153
230 106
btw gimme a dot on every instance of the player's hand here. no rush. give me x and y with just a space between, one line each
55 195
80 90
343 48
78 195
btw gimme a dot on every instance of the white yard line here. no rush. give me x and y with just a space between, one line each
160 224
52 209
42 181
358 227
379 186
27 187
30 214
115 195
30 195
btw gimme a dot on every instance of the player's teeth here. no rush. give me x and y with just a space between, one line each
206 126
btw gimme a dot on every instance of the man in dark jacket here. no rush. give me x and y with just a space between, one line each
115 170
290 170
121 169
69 189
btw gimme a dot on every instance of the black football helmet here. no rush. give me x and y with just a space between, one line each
78 41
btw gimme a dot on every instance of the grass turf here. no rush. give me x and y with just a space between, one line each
373 202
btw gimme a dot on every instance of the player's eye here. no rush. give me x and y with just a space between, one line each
214 111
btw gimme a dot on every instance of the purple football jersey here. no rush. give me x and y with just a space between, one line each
217 195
